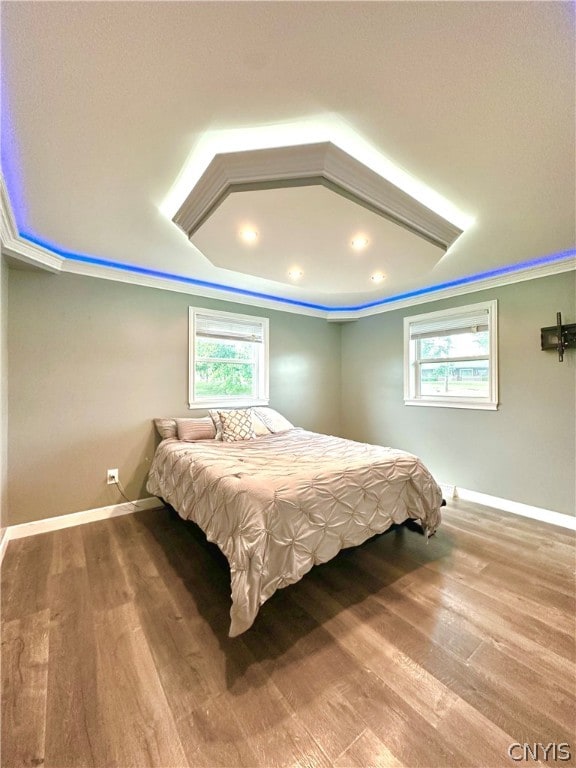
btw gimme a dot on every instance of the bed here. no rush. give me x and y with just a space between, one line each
278 503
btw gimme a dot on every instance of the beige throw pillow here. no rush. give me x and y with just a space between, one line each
166 428
196 429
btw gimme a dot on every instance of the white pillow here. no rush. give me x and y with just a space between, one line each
260 429
273 420
215 416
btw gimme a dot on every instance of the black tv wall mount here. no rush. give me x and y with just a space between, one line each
559 337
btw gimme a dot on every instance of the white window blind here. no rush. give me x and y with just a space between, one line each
212 326
448 325
451 357
228 359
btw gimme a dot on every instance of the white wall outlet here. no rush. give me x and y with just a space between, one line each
112 476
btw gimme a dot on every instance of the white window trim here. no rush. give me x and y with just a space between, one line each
227 402
487 404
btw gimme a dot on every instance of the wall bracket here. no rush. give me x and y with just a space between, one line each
559 337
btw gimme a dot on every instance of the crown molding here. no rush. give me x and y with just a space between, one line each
472 286
323 164
190 287
330 314
18 248
327 313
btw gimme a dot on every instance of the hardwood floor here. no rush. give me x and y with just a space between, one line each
397 653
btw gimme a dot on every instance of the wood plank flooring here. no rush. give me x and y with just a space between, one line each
398 653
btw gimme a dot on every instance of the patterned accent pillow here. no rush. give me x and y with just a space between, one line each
273 420
195 429
237 425
166 428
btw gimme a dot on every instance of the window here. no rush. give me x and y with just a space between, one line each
228 359
451 358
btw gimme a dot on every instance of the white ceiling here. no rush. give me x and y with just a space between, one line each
311 229
103 104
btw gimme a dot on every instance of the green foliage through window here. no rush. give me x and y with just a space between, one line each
224 368
228 357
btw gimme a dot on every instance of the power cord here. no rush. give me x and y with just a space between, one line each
135 504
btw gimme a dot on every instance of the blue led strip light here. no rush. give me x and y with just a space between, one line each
12 176
551 258
135 269
469 279
11 165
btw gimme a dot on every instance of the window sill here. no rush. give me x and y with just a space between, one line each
470 404
206 404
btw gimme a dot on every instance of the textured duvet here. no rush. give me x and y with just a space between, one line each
279 504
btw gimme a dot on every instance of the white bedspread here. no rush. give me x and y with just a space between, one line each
279 504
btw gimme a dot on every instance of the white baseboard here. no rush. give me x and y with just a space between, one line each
448 491
3 541
75 518
102 513
515 507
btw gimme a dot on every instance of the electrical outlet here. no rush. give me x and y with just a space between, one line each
112 476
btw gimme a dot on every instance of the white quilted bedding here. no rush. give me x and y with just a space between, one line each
279 504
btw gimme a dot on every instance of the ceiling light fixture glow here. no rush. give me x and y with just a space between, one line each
249 235
295 274
377 277
359 242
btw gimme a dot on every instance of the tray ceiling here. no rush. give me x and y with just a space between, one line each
465 104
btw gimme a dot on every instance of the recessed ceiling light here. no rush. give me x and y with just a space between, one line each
377 277
359 242
295 274
249 235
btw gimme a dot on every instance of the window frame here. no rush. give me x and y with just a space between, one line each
261 397
412 394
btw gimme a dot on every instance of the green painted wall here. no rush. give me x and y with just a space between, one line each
92 362
526 450
3 392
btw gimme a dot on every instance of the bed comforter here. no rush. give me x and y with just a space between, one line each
279 504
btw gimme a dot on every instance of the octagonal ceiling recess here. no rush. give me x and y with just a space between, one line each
294 195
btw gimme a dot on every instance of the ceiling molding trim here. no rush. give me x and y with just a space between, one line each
356 181
304 165
134 275
314 129
553 264
546 266
24 249
17 247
